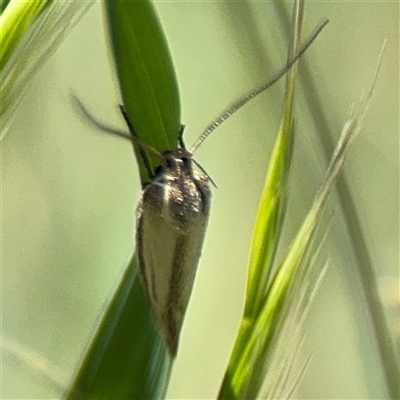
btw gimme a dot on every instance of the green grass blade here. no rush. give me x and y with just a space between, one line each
146 75
15 21
35 364
30 34
241 373
357 236
270 218
259 336
272 206
127 358
3 5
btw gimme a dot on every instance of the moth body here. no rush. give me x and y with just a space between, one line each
171 222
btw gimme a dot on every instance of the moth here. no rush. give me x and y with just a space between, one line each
172 217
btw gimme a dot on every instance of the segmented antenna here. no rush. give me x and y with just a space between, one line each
255 92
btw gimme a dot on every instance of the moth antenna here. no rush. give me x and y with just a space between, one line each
239 103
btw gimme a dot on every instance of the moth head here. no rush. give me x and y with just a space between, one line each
175 160
179 161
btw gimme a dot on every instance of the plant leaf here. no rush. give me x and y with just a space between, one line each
146 76
127 357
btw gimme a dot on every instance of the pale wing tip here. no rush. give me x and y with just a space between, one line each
172 344
171 330
172 334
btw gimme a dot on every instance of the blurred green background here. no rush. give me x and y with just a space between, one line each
69 191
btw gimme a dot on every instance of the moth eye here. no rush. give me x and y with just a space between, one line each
159 170
169 162
185 160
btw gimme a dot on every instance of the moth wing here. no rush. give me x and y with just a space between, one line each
168 258
155 246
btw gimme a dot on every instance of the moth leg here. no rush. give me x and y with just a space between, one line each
180 136
135 140
87 116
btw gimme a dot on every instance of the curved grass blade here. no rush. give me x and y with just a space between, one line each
30 33
15 21
259 343
35 364
365 265
3 5
240 374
